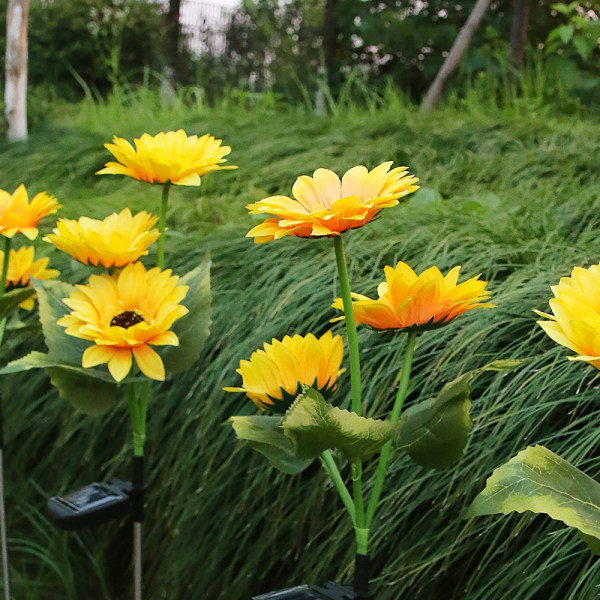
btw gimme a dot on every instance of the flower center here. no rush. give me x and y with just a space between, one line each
127 319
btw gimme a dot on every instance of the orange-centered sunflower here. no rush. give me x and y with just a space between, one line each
326 206
273 377
173 156
424 301
576 319
18 215
22 267
114 242
124 315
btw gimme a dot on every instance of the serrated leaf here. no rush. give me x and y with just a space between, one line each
191 329
10 300
90 391
313 425
540 481
63 348
265 435
87 394
435 432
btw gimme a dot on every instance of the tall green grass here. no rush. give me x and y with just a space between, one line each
509 194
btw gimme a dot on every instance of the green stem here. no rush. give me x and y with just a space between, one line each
395 415
162 218
357 488
138 406
332 468
350 324
5 265
7 242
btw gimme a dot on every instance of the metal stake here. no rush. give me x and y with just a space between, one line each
3 533
137 513
137 560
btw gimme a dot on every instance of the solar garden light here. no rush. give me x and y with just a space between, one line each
295 377
125 313
18 215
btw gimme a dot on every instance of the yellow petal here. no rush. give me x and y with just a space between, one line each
149 362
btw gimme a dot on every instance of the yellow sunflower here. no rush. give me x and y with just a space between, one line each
18 215
22 267
576 319
124 315
407 300
273 377
173 156
326 206
114 242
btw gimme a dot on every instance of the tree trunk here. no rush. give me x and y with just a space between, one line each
330 35
15 87
518 31
454 57
174 36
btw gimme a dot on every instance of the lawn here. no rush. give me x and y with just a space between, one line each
513 194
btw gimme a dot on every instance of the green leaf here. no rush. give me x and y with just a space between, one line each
265 435
584 45
39 360
564 9
87 394
538 480
90 391
10 300
435 432
193 328
313 425
566 32
62 347
506 364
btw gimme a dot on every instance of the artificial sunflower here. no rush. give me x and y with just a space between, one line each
576 319
171 157
113 242
18 215
125 314
22 267
426 301
273 377
325 206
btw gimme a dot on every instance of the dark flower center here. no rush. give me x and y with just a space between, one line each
127 319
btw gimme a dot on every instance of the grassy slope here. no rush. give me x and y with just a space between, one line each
513 196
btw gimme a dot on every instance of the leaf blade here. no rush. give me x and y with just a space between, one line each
265 435
313 425
193 328
540 481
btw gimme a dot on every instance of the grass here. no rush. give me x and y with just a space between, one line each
506 192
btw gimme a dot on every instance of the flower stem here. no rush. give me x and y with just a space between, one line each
7 241
138 406
162 217
332 468
359 520
395 415
350 324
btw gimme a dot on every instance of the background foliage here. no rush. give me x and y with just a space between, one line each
512 193
82 47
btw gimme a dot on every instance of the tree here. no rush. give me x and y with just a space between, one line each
15 88
456 53
518 31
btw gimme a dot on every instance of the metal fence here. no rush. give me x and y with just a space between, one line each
204 24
